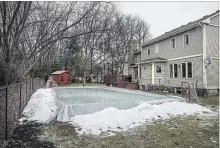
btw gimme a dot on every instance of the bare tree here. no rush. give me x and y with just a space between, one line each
29 31
84 35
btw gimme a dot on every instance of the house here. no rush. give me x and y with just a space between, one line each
188 53
134 66
61 77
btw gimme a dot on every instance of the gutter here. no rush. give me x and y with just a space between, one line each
150 62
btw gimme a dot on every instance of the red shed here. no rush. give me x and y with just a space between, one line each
61 77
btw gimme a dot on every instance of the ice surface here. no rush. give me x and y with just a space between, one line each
86 100
82 95
106 116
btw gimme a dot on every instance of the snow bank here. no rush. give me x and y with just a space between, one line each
42 106
112 119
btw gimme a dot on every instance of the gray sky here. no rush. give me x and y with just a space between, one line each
165 16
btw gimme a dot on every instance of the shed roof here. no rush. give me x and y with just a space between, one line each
59 72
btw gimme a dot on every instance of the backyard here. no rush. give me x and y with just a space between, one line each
178 131
94 74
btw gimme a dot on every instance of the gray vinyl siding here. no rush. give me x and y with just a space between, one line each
215 20
212 50
212 72
197 72
146 74
159 77
165 51
212 44
138 56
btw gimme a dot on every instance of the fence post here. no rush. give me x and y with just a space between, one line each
31 86
26 93
6 113
20 101
30 90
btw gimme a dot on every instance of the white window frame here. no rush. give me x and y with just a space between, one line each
176 71
171 43
184 39
181 70
186 70
172 71
157 48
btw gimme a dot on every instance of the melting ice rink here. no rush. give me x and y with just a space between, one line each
86 100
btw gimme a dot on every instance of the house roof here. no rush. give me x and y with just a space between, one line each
58 72
180 29
157 59
137 51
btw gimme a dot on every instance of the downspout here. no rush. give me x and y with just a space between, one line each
138 78
152 73
204 55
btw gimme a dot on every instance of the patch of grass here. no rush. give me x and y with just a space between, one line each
212 101
176 132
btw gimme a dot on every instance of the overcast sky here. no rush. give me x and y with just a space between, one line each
165 16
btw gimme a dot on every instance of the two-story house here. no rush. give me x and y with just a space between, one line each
188 53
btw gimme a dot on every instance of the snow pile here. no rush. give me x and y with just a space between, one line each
42 106
112 119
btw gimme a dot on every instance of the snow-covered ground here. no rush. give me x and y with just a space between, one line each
44 107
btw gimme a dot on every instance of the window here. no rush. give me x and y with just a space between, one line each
148 51
156 48
186 39
175 71
189 69
136 73
183 70
61 78
173 43
140 72
69 78
171 71
158 69
144 68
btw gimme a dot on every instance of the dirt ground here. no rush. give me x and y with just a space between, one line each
181 132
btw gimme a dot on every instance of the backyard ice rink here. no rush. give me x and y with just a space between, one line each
98 110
